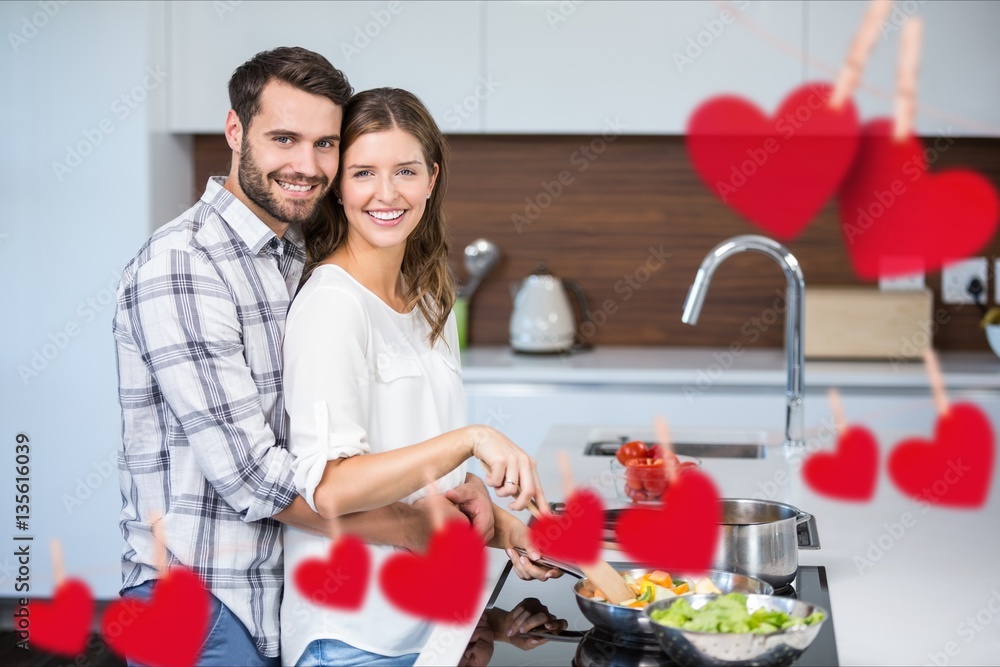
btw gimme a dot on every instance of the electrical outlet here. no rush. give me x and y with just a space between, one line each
955 280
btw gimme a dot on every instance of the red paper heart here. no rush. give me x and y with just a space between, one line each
777 171
167 631
954 469
340 581
63 625
849 473
680 535
891 206
445 584
575 534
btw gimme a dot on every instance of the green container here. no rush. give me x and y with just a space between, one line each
461 309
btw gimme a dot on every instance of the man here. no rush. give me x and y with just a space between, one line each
198 331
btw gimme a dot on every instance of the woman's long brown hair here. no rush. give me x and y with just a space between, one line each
429 284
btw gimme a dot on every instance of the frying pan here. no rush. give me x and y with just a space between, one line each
631 621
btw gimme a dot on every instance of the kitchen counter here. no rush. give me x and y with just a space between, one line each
909 584
667 366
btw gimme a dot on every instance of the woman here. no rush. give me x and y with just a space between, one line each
372 374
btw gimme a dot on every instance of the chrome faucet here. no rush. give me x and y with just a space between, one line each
794 315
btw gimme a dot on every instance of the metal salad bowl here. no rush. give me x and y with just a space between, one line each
634 622
687 647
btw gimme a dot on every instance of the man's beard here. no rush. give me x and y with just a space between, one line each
255 186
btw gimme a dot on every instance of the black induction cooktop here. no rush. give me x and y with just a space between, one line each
584 645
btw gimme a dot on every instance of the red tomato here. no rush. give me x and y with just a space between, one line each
644 462
655 487
670 459
635 494
635 449
687 465
655 451
633 481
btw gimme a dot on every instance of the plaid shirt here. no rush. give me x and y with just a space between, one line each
198 332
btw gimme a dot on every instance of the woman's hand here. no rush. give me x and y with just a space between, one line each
528 615
509 470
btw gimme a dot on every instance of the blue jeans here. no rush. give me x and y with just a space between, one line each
227 643
322 652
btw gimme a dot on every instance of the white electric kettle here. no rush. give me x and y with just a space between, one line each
543 320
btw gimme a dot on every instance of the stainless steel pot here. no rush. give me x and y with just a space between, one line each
759 539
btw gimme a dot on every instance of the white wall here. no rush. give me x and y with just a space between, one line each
76 77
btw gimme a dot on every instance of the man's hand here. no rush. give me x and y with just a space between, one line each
510 533
426 509
474 501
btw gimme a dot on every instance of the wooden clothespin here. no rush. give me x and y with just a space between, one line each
58 568
937 381
162 560
837 408
857 55
663 435
906 79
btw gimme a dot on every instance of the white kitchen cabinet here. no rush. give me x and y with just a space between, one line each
525 411
633 67
957 93
590 67
429 48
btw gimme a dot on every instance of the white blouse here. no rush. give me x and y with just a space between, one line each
359 377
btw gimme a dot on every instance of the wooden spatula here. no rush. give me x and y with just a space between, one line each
600 573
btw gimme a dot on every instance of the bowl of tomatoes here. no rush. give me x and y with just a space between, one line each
643 472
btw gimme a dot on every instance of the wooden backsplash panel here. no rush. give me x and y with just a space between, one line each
618 200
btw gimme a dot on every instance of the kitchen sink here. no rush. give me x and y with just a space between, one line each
703 444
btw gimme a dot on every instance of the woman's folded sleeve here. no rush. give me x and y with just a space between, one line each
326 378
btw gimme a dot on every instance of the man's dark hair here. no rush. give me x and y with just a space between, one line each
300 68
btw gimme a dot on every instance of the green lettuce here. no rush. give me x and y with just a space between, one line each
728 614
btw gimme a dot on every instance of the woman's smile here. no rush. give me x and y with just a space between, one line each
386 217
